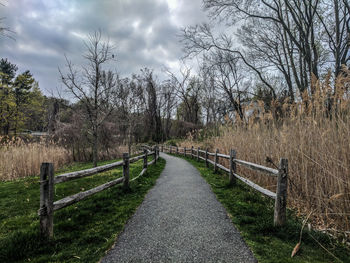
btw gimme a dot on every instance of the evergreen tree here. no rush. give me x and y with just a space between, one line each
21 101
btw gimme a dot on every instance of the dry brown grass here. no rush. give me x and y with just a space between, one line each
317 148
19 159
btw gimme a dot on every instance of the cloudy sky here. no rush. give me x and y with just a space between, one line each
145 33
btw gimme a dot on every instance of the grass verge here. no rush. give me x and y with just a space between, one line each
252 214
83 231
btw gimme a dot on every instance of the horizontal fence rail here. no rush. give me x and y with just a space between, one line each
84 173
48 181
257 167
88 172
69 200
280 196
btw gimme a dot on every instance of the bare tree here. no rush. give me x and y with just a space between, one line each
209 94
335 19
168 103
289 39
5 31
92 86
152 94
131 106
188 92
297 18
229 79
270 48
200 39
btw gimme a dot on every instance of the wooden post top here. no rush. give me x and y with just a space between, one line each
283 167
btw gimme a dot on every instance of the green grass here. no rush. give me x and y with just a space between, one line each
84 231
252 214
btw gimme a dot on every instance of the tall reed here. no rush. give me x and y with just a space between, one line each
314 134
20 159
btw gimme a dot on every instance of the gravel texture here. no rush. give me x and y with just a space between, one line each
180 220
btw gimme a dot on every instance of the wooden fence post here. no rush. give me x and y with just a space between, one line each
145 157
198 154
177 150
162 150
206 158
46 199
185 151
216 160
126 170
233 168
281 194
192 152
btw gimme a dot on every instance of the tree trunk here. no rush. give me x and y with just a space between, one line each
95 148
129 140
7 128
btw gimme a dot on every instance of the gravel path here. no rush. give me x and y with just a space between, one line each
180 220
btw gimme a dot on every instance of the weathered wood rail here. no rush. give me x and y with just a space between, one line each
281 173
48 182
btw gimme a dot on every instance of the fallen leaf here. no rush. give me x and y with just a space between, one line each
296 249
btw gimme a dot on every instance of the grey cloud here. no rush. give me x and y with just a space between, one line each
46 30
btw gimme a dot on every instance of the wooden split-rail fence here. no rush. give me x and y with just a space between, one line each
48 182
281 173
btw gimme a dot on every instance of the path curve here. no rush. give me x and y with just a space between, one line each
180 220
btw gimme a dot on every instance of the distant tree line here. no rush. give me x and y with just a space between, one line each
274 52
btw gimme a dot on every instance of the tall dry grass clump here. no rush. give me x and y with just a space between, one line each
314 134
19 159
